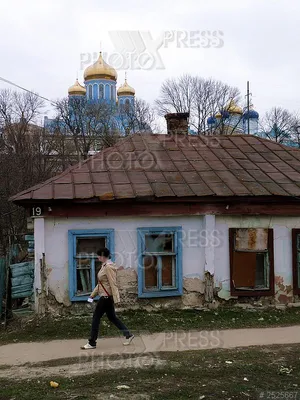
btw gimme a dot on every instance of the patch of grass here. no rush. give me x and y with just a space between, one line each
35 329
187 375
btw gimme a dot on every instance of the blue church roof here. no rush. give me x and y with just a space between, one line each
225 114
251 114
211 120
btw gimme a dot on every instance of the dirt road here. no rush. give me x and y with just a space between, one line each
20 353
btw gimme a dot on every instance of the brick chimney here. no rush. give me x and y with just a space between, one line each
177 123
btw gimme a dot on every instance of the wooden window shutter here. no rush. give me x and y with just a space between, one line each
244 269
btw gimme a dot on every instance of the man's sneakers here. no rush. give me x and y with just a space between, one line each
128 340
87 347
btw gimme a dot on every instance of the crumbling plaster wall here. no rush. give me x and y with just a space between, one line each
282 227
196 258
56 250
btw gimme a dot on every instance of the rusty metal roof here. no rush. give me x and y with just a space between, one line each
146 165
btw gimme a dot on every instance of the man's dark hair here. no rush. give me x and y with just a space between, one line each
103 252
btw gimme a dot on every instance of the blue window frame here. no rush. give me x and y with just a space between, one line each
101 91
112 92
160 262
90 91
83 261
127 105
95 91
107 92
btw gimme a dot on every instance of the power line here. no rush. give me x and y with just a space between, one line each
26 90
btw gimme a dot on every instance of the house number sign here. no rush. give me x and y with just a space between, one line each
36 211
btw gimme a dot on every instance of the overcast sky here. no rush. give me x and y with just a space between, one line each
44 44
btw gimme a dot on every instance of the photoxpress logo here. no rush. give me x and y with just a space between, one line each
136 50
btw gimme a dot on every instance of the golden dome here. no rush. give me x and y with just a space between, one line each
218 115
233 108
126 90
100 70
77 89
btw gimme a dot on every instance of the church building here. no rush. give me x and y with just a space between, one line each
100 85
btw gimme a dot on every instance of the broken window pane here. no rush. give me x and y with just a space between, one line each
84 281
87 264
150 269
159 243
262 270
89 246
251 269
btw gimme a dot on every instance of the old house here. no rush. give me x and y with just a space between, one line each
191 220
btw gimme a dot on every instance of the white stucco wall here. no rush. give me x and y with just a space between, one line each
197 257
56 244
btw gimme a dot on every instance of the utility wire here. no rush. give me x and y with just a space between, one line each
26 90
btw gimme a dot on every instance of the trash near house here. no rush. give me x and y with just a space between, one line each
190 220
22 280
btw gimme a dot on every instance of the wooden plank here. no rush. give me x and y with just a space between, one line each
165 209
21 269
244 269
22 280
22 295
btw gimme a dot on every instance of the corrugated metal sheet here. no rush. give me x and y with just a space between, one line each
22 279
251 239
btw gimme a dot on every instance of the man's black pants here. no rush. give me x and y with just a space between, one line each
106 305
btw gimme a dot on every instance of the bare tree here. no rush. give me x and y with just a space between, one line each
201 98
92 126
295 131
138 118
26 157
17 112
278 124
176 95
212 97
63 149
